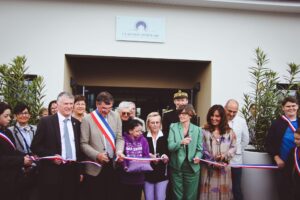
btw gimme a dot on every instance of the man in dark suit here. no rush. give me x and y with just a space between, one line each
58 135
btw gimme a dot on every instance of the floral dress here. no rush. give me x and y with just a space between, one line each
215 181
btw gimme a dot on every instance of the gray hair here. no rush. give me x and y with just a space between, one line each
123 104
64 94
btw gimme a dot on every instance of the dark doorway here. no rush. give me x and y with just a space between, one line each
146 99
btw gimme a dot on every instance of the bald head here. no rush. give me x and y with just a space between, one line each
231 108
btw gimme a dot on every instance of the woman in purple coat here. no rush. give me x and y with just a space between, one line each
136 146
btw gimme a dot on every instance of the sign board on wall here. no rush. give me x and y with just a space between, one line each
143 29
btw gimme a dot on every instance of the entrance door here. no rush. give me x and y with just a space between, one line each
146 99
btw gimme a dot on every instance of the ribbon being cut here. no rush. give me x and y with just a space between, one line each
254 166
63 160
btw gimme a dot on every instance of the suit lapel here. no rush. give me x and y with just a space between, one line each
76 135
192 135
57 131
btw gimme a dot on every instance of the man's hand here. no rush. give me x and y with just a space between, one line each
120 156
58 160
103 158
27 161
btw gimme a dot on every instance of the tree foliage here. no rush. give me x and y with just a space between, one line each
266 97
16 87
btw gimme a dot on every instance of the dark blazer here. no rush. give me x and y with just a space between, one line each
275 135
159 170
11 163
47 142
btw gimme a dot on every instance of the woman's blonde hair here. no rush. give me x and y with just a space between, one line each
152 114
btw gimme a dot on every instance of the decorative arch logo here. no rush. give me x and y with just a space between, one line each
140 29
141 25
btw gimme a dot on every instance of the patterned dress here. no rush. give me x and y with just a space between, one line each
215 182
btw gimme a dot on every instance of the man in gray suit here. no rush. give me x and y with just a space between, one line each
101 141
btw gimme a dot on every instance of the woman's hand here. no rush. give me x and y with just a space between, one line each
280 163
196 160
165 158
153 156
186 140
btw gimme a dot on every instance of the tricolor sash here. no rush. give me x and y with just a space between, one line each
296 157
6 139
289 123
104 128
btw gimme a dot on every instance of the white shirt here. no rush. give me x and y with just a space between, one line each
154 141
240 128
61 119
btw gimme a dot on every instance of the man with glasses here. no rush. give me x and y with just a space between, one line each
241 131
102 141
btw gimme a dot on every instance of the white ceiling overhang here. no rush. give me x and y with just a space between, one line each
256 5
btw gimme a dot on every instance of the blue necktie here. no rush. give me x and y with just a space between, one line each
67 140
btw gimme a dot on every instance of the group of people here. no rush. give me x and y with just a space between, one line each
107 154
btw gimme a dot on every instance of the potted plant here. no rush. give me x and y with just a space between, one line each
261 107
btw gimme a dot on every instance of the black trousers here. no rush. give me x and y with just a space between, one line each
104 186
65 188
132 192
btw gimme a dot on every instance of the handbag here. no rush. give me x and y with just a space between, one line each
133 166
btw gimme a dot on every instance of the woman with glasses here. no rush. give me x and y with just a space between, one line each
185 145
79 110
156 181
23 133
124 111
219 145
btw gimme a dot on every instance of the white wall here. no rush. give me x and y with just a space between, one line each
46 31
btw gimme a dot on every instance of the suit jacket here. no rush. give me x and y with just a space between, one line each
178 151
47 142
11 163
92 141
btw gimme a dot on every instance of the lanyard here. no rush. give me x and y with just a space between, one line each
17 130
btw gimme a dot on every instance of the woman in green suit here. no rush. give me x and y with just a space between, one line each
185 145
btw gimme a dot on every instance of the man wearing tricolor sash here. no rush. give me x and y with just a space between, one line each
101 141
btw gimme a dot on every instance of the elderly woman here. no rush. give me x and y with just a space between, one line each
185 145
219 145
79 110
156 181
11 160
124 111
280 141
